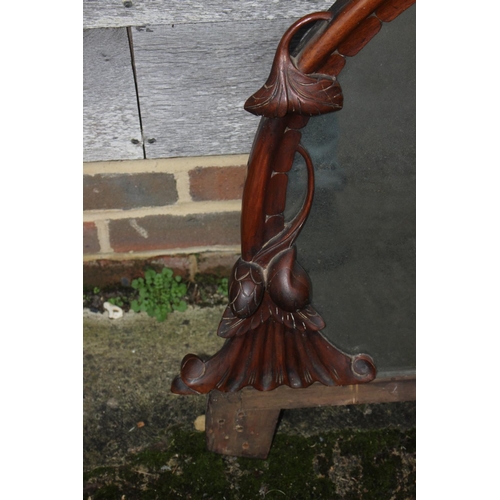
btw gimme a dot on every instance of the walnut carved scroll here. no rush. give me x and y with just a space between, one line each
272 330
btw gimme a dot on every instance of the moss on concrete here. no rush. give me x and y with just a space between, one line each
344 465
140 443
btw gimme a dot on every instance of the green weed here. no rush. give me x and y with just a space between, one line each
116 301
222 287
159 294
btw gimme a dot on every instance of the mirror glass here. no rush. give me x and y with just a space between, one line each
358 244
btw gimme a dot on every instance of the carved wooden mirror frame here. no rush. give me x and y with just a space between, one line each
272 331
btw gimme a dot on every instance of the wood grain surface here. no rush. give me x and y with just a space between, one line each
111 126
231 431
243 423
193 80
359 37
380 390
118 13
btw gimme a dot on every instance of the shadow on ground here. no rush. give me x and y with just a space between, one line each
140 441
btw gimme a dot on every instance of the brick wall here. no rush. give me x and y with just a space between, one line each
186 210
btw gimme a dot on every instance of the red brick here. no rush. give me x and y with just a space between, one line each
126 191
217 183
103 272
90 239
162 232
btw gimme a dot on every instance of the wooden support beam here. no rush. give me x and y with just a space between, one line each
243 423
232 430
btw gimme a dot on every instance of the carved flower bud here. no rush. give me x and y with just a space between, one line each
288 283
246 288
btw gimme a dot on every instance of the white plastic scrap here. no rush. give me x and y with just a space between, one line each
114 312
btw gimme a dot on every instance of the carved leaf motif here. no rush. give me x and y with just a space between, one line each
312 94
307 319
246 288
230 324
293 92
288 90
311 318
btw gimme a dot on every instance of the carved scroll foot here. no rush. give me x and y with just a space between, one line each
270 356
273 334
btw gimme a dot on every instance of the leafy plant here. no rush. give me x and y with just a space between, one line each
222 287
116 301
159 293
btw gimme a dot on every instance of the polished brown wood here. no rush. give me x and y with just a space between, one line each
314 56
273 331
334 64
289 90
317 51
391 9
274 225
275 356
277 185
366 30
260 167
348 32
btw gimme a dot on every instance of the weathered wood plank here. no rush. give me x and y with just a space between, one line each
111 126
243 423
236 432
193 80
118 13
382 390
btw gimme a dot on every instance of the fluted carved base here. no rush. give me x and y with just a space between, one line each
269 356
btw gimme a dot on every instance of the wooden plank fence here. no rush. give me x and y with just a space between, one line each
188 56
119 13
111 126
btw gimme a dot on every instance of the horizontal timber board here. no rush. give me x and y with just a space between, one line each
119 13
193 80
382 390
111 125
